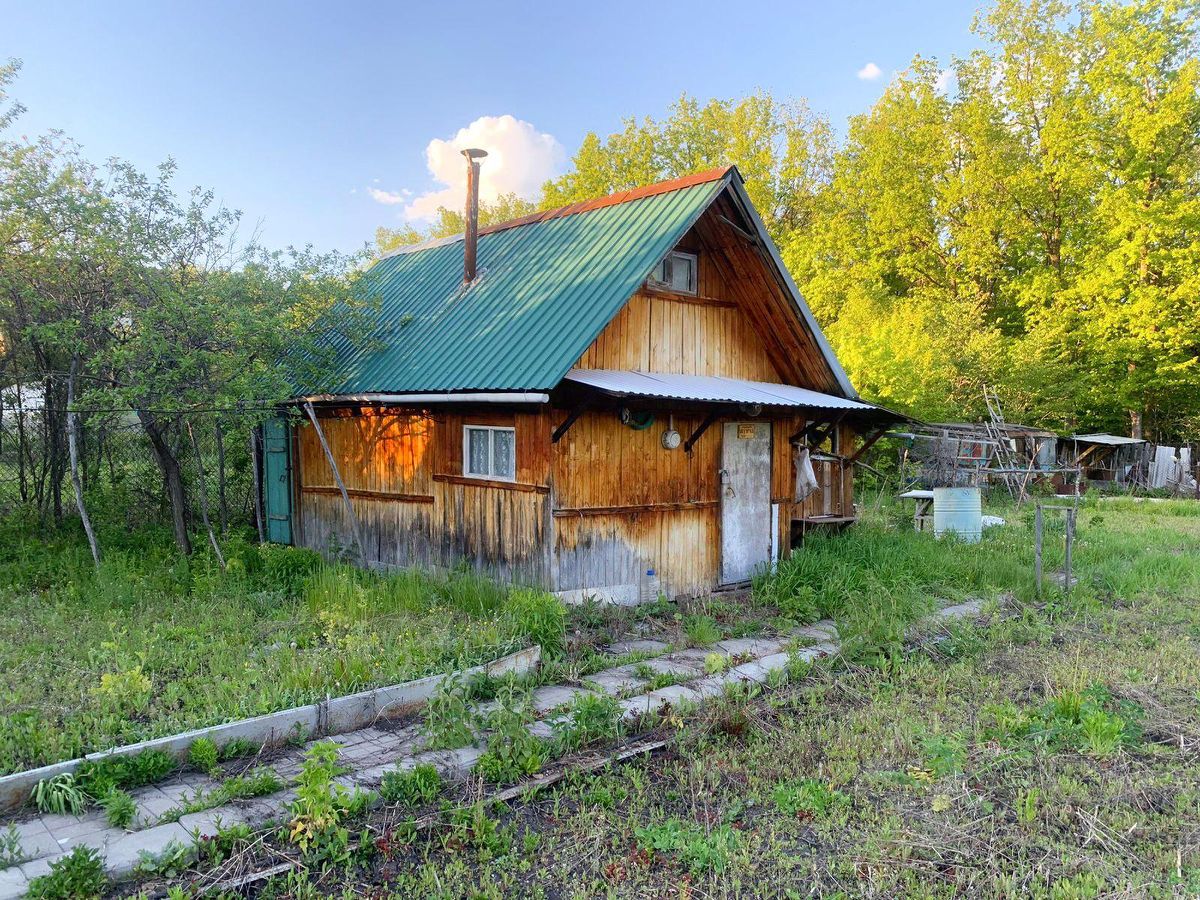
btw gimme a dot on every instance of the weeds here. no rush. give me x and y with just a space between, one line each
701 631
702 851
450 720
11 851
203 755
119 808
414 787
591 718
807 797
513 752
322 806
77 876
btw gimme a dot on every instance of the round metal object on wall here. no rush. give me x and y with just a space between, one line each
670 439
752 409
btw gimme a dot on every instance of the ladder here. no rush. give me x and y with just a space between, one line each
1004 455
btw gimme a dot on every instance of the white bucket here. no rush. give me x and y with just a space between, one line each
959 511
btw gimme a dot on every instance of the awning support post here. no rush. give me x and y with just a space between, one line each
337 476
700 429
567 423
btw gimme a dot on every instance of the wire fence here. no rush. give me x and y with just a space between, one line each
119 468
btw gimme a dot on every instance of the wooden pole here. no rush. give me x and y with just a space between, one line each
337 477
1067 560
1037 551
222 505
73 449
255 444
212 537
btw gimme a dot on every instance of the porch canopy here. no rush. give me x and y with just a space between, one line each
707 390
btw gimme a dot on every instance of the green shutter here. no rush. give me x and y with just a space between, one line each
277 480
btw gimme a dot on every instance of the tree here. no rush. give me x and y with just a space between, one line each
449 222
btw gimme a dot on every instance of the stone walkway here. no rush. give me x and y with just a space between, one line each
371 752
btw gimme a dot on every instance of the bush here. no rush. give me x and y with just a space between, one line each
512 751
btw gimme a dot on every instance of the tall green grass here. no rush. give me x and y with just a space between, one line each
154 643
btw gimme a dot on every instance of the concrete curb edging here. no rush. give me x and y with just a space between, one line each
331 716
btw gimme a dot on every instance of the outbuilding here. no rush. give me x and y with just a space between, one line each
619 393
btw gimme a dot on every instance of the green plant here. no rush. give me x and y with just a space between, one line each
590 718
701 630
322 806
1102 731
119 808
543 618
450 722
77 876
127 691
512 751
11 851
473 827
944 754
702 851
61 795
99 776
807 797
203 755
716 663
1027 806
420 784
169 862
238 748
216 848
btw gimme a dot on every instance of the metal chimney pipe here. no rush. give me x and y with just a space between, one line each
471 237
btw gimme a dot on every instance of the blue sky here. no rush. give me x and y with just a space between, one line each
307 115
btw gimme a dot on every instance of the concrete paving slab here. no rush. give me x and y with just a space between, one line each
555 695
637 645
616 681
13 883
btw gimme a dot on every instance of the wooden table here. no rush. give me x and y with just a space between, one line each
923 510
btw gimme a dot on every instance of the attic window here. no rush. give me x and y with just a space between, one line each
677 272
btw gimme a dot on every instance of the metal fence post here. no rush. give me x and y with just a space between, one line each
1037 551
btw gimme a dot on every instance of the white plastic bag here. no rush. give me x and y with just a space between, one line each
806 478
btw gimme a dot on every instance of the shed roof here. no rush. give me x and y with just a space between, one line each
548 284
712 389
1113 440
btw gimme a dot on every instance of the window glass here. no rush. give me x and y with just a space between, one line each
477 451
683 273
504 454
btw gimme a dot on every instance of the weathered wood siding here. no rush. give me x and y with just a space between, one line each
403 470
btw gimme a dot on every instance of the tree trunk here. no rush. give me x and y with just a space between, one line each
1135 423
172 478
73 449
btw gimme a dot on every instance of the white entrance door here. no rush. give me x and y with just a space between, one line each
745 499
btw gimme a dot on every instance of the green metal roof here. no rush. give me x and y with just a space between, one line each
546 289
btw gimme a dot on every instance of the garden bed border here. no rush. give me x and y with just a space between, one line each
333 715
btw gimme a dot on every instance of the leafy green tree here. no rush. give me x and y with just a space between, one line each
449 222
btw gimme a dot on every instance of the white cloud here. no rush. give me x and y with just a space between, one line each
388 198
870 72
520 159
945 80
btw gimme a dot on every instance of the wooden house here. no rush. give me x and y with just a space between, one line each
579 398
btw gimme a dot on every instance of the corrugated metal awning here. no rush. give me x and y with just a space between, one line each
1113 440
714 389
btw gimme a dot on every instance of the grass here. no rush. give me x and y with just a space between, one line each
154 644
1050 751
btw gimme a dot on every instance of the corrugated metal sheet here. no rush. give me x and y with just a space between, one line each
1112 440
545 291
710 388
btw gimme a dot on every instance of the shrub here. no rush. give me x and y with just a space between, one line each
122 692
416 786
322 806
203 755
119 808
61 795
77 876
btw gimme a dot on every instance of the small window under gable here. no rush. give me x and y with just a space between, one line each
677 272
490 452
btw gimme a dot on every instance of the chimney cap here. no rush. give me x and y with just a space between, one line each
474 153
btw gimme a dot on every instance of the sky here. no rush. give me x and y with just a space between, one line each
322 121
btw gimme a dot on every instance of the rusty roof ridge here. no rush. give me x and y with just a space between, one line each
571 209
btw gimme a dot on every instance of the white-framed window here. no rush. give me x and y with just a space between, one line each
677 272
490 451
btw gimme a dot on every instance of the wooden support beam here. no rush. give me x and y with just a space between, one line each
337 477
868 444
700 429
567 423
